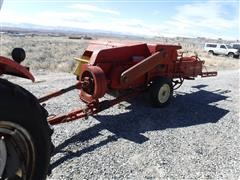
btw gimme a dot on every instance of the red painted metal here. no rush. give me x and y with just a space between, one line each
119 60
60 92
74 115
8 66
122 67
143 67
93 108
96 85
126 68
208 74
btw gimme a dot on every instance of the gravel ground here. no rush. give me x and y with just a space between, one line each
195 137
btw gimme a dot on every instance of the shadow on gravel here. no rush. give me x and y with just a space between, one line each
185 110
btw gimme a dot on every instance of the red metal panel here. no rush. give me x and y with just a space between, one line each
157 47
119 54
115 77
189 66
143 67
8 66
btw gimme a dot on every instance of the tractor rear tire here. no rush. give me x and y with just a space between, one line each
161 91
25 136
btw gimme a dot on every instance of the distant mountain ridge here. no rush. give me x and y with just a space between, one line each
58 29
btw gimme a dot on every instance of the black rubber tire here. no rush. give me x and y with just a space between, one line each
237 56
19 106
18 54
211 53
231 55
155 88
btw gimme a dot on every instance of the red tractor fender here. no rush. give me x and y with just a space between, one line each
10 67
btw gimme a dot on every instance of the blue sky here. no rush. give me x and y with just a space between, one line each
215 19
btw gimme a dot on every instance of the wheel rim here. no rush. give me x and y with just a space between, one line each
3 155
164 93
96 83
16 151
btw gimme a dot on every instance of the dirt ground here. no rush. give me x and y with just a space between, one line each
195 137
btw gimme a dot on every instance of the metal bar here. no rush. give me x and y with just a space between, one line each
92 108
72 115
60 92
208 74
143 67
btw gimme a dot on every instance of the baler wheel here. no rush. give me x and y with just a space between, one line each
25 136
161 92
